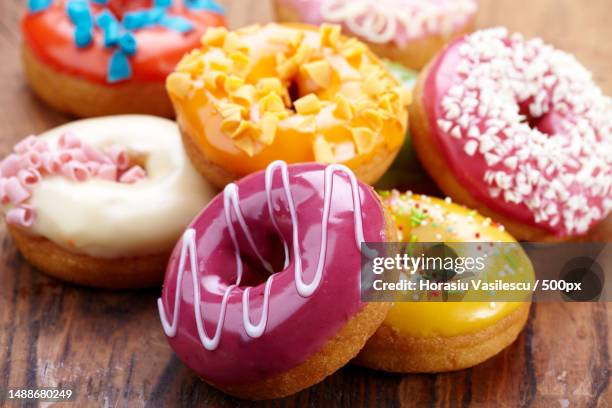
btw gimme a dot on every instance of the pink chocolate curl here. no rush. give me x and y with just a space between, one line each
41 146
94 154
107 172
23 215
4 199
69 141
51 163
10 166
133 175
29 177
32 158
75 171
15 191
93 167
25 145
119 156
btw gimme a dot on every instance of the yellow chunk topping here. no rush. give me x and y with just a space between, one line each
307 105
330 35
320 72
179 84
269 125
244 95
343 110
233 83
271 103
246 144
268 85
240 61
322 150
364 139
233 42
214 37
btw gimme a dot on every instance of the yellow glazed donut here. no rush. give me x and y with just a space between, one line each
290 92
101 202
444 336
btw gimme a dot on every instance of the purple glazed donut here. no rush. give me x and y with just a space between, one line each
257 333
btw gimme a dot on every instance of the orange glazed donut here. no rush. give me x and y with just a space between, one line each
105 57
289 92
518 131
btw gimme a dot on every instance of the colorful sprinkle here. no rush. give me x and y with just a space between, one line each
119 68
209 5
176 23
38 5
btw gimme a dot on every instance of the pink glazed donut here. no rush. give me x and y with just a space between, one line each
518 131
410 32
260 334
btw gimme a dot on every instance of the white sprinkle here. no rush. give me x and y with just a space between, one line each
470 147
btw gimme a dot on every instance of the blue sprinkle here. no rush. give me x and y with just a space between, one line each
162 3
101 2
38 5
110 26
210 5
156 14
105 18
135 20
79 13
119 67
176 23
127 43
82 36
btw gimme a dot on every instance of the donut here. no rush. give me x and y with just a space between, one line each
256 333
423 336
410 32
291 92
101 202
519 131
106 57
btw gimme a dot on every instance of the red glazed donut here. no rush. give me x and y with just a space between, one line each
519 131
104 57
258 334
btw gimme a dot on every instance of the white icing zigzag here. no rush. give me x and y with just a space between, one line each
231 202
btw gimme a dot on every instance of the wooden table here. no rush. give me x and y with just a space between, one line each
110 349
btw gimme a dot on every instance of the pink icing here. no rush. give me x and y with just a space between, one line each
295 325
397 21
33 160
535 148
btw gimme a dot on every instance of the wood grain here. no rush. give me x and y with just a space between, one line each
110 349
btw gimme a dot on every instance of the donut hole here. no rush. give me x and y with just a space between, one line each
293 89
541 123
253 272
138 159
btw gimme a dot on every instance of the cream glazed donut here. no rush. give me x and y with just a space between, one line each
519 131
101 202
407 31
258 334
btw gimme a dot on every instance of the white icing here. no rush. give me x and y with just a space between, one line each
231 202
105 219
